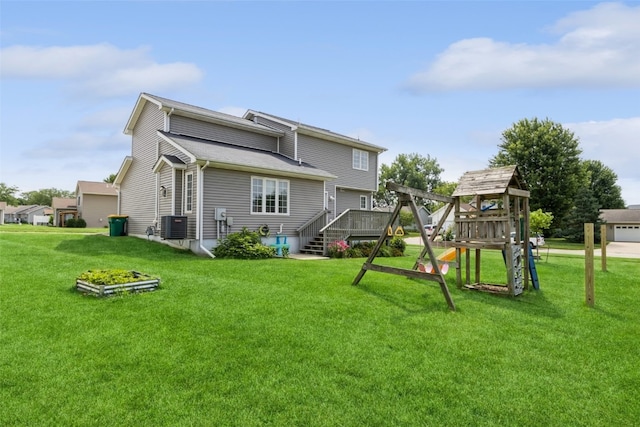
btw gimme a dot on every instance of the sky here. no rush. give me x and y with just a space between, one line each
440 79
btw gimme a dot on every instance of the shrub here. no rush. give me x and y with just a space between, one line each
398 244
71 223
81 223
244 244
338 248
365 248
353 252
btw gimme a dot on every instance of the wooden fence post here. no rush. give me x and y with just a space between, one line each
589 287
603 246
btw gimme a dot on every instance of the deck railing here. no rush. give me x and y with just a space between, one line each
352 224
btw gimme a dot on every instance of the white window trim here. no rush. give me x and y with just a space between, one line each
357 160
186 192
264 196
366 202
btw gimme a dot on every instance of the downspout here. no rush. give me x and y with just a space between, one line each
200 215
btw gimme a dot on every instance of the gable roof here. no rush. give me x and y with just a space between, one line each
490 181
620 216
97 188
203 114
316 131
235 157
63 203
171 160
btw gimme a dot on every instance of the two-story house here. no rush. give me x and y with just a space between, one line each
95 202
216 173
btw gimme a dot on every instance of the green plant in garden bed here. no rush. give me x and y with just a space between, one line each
113 277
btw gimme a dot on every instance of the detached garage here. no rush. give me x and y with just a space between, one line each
623 225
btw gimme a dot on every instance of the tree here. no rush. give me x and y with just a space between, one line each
110 179
7 194
44 197
412 170
601 180
539 221
548 157
585 211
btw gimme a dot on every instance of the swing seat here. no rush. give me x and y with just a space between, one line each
428 268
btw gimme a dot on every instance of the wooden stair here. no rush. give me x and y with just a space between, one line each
314 247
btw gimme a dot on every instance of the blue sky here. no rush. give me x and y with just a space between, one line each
443 79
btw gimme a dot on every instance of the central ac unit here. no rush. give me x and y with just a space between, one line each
173 227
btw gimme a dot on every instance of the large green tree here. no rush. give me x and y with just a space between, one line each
548 157
412 170
8 194
110 179
44 196
601 180
584 211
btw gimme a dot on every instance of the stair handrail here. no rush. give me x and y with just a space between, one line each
311 229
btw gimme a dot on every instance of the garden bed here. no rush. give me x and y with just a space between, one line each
114 282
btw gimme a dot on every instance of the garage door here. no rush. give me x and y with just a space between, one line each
627 233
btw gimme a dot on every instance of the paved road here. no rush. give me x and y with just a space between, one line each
614 249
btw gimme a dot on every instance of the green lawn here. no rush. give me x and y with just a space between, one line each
290 342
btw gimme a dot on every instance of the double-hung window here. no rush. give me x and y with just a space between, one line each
269 196
188 192
360 159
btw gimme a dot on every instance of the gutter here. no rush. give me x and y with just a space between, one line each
200 216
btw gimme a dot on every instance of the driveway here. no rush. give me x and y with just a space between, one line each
614 249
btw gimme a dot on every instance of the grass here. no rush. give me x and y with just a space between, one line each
289 342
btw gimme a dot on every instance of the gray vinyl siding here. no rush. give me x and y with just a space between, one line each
232 190
287 142
138 189
338 160
191 127
164 202
191 217
350 199
178 192
168 149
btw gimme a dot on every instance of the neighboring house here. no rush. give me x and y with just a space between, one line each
223 173
3 207
449 221
63 209
24 214
10 214
623 225
95 202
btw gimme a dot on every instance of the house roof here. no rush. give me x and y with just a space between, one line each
25 209
63 203
317 132
203 114
98 188
620 216
236 157
173 161
490 181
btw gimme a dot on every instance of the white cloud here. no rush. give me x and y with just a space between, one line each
616 143
103 69
599 47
